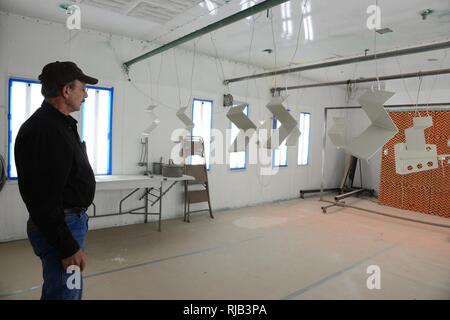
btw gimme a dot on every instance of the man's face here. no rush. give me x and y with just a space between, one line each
75 94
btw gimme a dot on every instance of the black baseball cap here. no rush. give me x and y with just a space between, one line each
61 73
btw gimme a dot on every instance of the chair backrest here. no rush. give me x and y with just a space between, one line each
198 171
192 146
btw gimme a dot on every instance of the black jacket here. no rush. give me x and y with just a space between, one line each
54 174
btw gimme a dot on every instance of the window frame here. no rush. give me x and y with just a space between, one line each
9 118
309 140
9 134
245 151
274 127
109 134
208 165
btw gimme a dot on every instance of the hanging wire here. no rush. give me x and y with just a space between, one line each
178 78
274 47
434 80
352 88
299 29
136 87
159 76
298 40
192 71
248 58
146 95
218 61
375 48
151 80
403 81
418 93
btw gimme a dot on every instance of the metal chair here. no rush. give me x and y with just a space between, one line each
195 191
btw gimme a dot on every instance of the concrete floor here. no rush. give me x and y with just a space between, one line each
284 250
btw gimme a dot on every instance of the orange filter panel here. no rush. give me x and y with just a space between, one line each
390 194
440 202
416 198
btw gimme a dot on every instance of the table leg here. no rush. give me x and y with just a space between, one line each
160 205
146 205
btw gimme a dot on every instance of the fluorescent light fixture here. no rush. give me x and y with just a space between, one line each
287 28
305 28
310 28
245 4
285 10
209 6
306 7
307 25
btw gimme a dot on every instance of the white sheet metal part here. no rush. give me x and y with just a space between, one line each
241 142
381 129
192 146
288 123
337 132
244 124
154 121
239 118
415 155
292 139
264 131
184 118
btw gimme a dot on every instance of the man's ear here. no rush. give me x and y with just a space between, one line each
65 91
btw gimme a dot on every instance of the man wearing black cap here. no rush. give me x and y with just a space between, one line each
56 181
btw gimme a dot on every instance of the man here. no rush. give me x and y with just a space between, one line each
56 181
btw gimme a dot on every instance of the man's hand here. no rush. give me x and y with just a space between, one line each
78 259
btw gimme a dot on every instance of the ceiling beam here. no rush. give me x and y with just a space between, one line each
333 63
209 28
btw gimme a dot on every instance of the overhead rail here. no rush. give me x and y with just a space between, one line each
333 63
371 79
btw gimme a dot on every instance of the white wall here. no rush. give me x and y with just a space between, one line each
26 45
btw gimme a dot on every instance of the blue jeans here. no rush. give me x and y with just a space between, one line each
56 279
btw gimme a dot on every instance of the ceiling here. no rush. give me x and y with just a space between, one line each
330 29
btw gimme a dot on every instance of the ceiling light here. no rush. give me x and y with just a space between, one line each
384 30
307 24
285 10
287 28
209 6
306 7
425 13
245 4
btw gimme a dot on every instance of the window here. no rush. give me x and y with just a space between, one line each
303 140
202 118
237 159
25 98
96 123
279 155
